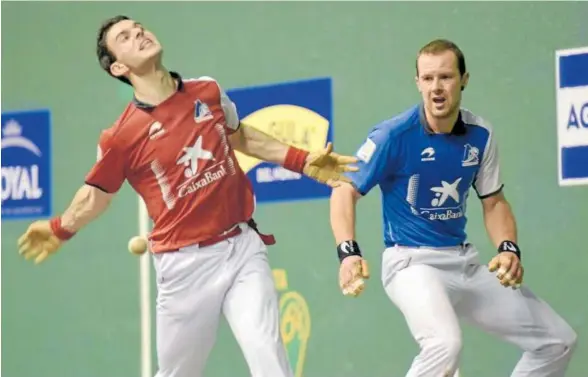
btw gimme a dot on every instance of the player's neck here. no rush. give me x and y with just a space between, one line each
154 87
442 125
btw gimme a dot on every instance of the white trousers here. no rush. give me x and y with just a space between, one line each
198 285
435 288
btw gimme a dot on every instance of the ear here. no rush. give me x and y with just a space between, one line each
118 69
464 80
416 81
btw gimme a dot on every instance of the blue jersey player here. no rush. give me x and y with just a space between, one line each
424 161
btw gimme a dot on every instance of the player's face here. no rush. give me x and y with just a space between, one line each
440 82
134 47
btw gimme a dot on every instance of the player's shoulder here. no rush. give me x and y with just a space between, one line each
476 122
201 85
397 126
201 78
190 81
128 121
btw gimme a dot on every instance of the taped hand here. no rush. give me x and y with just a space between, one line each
509 269
326 166
38 242
353 272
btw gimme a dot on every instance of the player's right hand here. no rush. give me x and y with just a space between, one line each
327 167
353 272
38 242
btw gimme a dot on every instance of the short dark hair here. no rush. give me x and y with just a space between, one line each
105 56
441 45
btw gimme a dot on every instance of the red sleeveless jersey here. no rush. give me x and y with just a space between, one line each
178 158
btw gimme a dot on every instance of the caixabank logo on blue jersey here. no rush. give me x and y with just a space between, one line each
26 164
572 115
297 113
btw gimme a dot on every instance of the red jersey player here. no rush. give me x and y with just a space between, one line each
174 144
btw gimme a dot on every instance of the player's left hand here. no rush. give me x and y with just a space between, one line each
326 166
38 242
509 269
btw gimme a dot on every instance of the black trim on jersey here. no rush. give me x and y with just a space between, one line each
98 187
491 194
459 128
149 107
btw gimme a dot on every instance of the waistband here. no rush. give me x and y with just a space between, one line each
461 245
235 230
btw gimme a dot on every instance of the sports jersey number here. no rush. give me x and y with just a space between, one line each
166 194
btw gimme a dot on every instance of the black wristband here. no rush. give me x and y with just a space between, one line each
509 247
347 249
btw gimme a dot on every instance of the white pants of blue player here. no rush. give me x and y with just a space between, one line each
435 288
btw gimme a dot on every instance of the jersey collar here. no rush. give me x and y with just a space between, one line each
149 107
459 128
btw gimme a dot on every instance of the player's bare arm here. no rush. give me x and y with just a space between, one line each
353 267
499 219
88 203
343 203
44 237
258 144
324 166
501 228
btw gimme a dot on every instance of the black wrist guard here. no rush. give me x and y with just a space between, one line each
347 249
511 247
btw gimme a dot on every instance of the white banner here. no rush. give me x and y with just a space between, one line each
572 115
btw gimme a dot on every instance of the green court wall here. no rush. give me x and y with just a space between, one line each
78 314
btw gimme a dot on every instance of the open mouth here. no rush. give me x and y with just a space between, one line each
439 100
145 43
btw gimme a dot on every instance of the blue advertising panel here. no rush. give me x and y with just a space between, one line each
26 164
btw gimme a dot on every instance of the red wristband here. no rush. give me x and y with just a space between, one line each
295 159
58 230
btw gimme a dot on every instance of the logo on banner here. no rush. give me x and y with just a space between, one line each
296 113
295 322
572 115
26 164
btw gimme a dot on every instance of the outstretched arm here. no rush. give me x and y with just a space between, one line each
88 203
43 238
258 144
323 166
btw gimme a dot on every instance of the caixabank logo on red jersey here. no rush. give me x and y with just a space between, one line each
298 113
196 179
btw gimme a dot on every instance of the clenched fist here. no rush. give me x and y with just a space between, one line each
509 269
353 272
